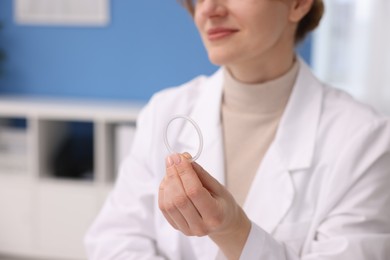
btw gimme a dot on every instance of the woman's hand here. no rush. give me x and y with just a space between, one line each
195 203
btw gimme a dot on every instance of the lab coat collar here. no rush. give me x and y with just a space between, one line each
296 134
207 114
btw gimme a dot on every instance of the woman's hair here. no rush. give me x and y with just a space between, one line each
308 23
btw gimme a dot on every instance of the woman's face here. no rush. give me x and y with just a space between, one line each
238 31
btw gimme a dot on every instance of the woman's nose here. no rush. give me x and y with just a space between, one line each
212 8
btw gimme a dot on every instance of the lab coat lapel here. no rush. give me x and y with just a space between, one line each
207 114
272 191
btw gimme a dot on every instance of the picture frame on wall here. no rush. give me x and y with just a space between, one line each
62 12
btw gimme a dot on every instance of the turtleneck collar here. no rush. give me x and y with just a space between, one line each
265 98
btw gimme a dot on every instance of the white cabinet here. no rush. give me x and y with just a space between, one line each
16 215
64 212
44 212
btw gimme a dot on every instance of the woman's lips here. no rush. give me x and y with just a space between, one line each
219 33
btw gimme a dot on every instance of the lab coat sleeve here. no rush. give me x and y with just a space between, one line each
353 219
124 227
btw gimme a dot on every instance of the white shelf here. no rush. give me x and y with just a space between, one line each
75 109
44 216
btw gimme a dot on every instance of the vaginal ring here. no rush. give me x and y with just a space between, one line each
196 128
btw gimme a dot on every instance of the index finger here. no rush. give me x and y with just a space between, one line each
194 189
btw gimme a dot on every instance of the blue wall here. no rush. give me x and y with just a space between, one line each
148 45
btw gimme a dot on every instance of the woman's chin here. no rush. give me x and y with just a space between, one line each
218 59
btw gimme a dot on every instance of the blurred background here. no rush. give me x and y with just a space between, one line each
74 75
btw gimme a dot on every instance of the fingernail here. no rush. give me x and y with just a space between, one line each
176 158
187 156
168 161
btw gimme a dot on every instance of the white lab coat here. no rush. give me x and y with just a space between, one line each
322 190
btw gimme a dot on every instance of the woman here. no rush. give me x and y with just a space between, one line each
292 169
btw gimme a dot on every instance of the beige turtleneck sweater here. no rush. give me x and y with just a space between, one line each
250 117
